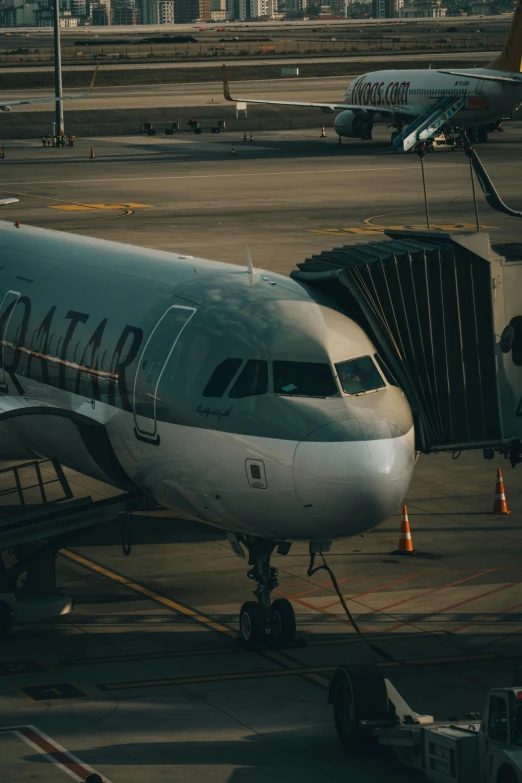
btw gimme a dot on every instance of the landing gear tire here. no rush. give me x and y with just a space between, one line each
482 136
252 622
6 619
282 621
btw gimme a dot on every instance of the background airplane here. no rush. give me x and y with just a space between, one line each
421 103
6 105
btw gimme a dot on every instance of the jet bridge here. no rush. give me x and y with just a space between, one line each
445 312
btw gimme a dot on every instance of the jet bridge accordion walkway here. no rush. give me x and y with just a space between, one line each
435 305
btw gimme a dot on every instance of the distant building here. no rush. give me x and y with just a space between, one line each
386 9
260 8
219 16
158 12
125 12
423 12
17 13
100 15
187 11
481 9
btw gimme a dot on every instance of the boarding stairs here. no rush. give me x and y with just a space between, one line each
426 125
36 502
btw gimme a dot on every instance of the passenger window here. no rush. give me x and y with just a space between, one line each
497 724
304 379
221 377
359 375
383 367
253 380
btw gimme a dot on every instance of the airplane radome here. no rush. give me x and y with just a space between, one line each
245 400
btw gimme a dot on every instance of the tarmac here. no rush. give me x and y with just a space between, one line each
144 680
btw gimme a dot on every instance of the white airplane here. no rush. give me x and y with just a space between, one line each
6 105
246 400
420 104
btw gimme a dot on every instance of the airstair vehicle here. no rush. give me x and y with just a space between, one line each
37 516
445 313
426 125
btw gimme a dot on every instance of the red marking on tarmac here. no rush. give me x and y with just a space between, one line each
454 606
358 618
375 589
55 753
428 592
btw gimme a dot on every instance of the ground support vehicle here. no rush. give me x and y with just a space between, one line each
214 126
370 714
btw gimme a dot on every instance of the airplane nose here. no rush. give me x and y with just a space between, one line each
352 475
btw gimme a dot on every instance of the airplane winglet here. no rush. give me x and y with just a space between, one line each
226 89
93 80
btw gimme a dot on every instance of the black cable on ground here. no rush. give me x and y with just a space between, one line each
311 571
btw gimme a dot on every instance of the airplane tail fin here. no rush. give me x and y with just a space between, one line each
511 57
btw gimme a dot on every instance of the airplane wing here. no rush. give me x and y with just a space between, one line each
326 107
6 105
5 201
487 77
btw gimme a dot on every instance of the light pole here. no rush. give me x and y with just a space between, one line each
60 129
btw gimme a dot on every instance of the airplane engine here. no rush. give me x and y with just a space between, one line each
5 108
353 126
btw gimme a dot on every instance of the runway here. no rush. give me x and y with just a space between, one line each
143 681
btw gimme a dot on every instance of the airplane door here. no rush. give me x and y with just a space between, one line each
7 307
151 366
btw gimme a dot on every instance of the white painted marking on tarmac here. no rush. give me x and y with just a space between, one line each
51 750
234 175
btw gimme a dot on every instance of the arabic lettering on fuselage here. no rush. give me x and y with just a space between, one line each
368 93
208 411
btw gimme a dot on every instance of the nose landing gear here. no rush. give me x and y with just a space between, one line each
263 621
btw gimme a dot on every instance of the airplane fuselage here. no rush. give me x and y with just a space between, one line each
169 373
413 92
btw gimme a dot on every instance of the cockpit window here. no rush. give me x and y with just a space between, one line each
252 380
304 379
221 377
359 375
383 367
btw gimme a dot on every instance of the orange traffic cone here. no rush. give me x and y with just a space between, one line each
323 133
233 150
92 153
405 542
500 504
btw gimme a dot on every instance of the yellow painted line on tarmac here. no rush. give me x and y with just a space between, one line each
91 207
298 671
161 599
197 617
371 229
